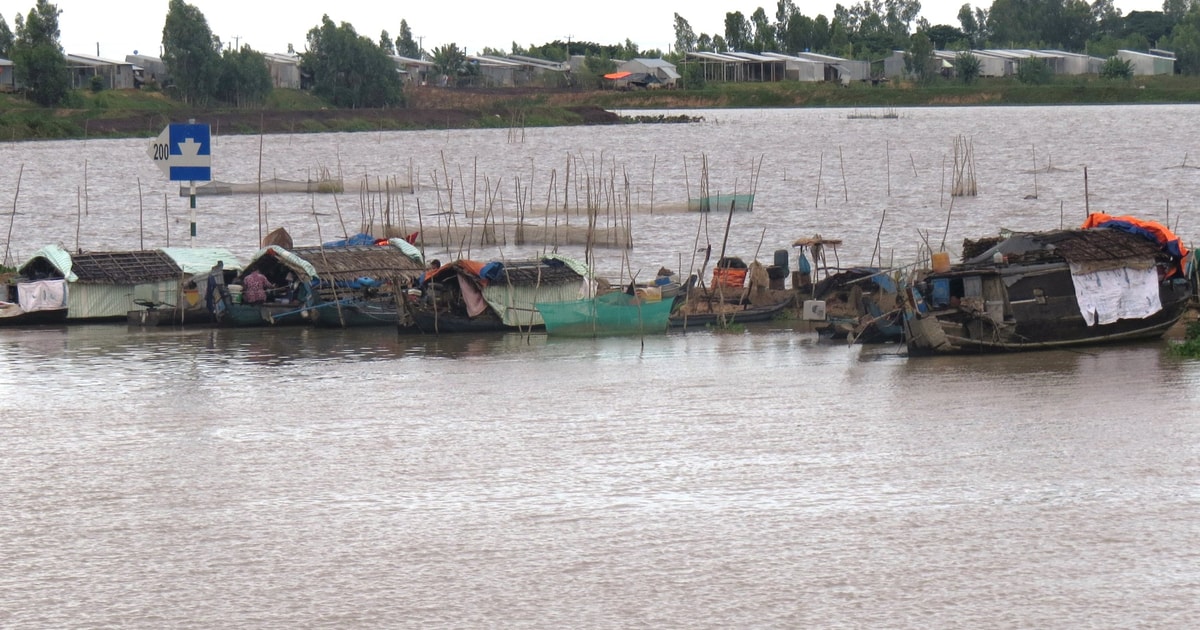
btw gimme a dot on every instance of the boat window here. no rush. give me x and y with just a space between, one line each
972 286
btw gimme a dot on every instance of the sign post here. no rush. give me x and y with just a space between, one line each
184 153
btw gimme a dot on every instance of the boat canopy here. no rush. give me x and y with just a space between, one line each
1152 230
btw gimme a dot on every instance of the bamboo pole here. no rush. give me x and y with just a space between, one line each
13 217
141 229
845 187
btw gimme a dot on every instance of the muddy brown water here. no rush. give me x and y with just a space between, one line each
286 478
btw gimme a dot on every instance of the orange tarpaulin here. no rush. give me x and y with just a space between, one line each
1150 229
617 75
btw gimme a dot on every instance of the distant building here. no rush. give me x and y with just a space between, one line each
412 71
8 76
660 69
147 69
772 66
839 69
284 69
1148 63
117 75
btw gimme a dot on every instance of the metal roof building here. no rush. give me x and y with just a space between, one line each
118 75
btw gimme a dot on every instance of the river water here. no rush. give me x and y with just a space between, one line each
286 478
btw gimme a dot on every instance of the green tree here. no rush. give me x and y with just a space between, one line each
1153 25
784 10
1107 18
245 79
1176 9
737 31
944 35
386 44
1034 71
406 46
693 76
40 65
764 32
967 67
450 61
1116 68
685 37
974 25
6 39
349 70
191 53
919 60
593 71
1185 41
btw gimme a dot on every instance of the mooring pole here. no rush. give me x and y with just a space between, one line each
192 213
192 205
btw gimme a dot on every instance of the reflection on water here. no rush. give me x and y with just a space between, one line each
295 477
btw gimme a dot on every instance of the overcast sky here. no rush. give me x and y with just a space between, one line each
119 28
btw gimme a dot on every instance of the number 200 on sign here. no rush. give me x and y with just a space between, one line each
162 151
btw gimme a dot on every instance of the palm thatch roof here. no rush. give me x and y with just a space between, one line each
358 261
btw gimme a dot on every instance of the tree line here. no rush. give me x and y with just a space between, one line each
352 70
872 29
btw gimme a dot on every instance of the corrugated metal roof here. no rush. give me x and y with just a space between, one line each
200 259
56 256
654 63
755 57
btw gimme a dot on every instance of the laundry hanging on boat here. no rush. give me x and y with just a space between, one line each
1112 294
42 295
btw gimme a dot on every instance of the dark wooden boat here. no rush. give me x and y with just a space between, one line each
860 305
717 317
473 296
358 313
12 314
445 322
1024 292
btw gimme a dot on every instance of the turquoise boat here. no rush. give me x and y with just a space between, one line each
609 314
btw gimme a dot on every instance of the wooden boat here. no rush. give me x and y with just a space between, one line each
357 282
615 313
1116 279
473 296
106 286
724 314
33 303
860 305
359 312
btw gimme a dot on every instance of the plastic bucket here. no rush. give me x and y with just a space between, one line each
941 262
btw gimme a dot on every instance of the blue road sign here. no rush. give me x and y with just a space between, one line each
184 152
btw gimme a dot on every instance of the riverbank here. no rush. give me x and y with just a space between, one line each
130 113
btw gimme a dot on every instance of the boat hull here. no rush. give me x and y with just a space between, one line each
938 333
358 315
14 316
609 314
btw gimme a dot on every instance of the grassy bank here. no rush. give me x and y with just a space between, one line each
130 113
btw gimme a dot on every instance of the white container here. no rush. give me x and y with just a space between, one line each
814 310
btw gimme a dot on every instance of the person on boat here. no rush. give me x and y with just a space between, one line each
255 286
214 290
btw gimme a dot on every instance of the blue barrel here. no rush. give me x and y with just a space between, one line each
781 259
